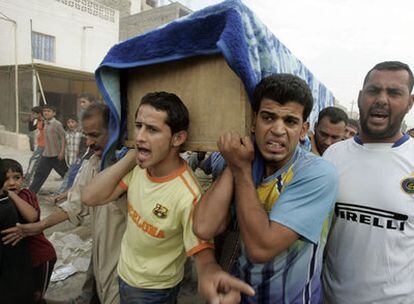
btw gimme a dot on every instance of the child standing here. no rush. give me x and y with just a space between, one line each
73 138
16 278
53 156
36 123
41 250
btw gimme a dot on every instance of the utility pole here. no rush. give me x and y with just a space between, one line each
352 109
83 45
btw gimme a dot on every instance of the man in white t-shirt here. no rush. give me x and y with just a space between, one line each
369 254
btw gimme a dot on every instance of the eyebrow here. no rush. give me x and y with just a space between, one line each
92 134
146 124
377 87
273 114
267 112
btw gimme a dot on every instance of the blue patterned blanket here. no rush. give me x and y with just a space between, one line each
230 29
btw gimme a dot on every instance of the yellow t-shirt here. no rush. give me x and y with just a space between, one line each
159 231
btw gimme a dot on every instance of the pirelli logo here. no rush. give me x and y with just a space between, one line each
381 219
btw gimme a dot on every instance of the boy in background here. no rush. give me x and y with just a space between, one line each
73 138
42 253
36 123
53 156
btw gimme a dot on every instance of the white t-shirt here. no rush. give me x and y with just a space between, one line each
370 249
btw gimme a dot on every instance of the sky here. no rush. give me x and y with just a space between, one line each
339 40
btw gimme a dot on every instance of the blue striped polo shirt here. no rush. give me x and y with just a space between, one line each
299 196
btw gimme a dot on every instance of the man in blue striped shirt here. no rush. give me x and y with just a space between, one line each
283 213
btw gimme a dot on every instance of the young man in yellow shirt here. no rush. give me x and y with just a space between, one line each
162 193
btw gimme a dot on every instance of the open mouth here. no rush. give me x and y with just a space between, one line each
274 146
378 115
143 153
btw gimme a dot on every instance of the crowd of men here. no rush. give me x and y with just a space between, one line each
328 222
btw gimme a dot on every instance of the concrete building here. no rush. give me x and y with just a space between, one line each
74 34
56 45
149 19
58 42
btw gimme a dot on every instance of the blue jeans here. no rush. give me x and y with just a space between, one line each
134 295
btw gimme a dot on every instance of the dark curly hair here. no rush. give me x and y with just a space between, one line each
284 88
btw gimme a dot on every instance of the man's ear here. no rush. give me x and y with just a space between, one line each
253 125
411 103
179 138
359 99
304 131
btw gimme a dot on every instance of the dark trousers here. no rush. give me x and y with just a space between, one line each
42 274
46 164
135 295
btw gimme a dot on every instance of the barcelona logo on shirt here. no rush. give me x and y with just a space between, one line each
160 211
407 184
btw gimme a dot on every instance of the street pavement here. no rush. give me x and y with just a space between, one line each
63 291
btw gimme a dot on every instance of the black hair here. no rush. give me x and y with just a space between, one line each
393 66
97 109
88 96
334 114
354 123
12 165
37 110
49 106
72 117
284 88
177 113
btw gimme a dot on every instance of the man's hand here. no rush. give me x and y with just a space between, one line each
14 234
237 151
219 287
61 156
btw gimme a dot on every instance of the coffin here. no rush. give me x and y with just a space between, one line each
212 92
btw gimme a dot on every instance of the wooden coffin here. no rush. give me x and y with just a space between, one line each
212 92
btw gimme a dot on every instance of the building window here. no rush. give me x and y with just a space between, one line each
43 47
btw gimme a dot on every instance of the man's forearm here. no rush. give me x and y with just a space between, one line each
53 219
264 239
212 212
253 220
99 190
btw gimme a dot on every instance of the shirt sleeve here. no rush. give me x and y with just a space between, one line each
308 199
192 243
61 131
73 206
30 198
78 137
124 183
32 125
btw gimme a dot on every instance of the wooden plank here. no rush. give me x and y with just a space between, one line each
212 92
